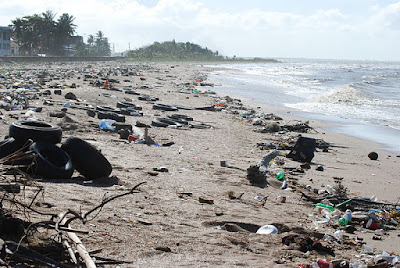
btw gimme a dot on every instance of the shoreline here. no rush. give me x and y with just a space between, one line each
165 224
384 137
328 131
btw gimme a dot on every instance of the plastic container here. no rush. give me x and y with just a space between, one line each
107 124
324 264
379 232
372 225
267 229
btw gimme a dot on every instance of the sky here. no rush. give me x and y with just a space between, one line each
328 29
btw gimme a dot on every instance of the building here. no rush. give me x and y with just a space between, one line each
74 42
14 48
5 41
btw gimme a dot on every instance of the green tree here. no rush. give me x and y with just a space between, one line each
65 28
102 46
17 28
48 32
90 41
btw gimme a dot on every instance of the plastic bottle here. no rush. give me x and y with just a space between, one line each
284 184
327 213
348 215
330 190
319 205
343 221
338 235
366 249
396 262
280 175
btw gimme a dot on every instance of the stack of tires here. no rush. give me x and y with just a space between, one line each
172 121
52 161
118 114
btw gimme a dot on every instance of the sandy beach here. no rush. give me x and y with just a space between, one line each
165 224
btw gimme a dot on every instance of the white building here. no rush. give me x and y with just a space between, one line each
5 41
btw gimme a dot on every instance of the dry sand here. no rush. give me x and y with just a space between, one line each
166 215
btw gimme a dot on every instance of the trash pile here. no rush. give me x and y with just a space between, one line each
343 217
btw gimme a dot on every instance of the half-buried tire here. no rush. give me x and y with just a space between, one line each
23 130
86 159
51 162
9 146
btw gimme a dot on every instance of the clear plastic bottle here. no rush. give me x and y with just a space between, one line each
366 248
327 213
338 235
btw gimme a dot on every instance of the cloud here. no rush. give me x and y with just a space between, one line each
388 17
250 31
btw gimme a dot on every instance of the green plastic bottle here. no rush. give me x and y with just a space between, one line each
280 175
343 221
325 206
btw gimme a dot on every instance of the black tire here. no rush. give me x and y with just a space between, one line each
107 109
119 126
181 117
24 130
147 98
111 115
201 126
164 122
9 146
131 92
86 159
180 107
51 162
124 104
132 112
206 108
180 121
164 107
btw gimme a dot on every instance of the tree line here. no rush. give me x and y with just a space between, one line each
44 34
171 50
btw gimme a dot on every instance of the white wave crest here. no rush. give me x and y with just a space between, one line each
343 94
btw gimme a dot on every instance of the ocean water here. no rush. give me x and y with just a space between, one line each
361 98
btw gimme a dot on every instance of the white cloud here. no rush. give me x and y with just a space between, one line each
249 32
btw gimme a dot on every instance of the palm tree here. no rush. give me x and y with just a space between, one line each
49 28
65 28
90 40
17 27
102 45
31 34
